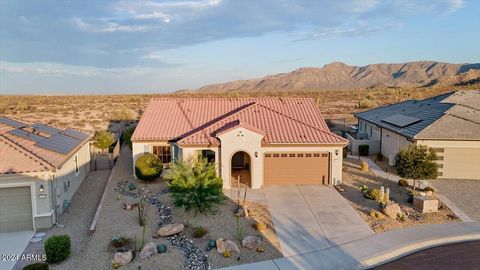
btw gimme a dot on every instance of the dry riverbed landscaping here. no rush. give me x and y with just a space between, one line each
354 180
172 237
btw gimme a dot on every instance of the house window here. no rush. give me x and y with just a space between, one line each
163 152
209 155
75 160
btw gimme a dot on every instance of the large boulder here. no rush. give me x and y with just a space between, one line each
122 258
148 250
226 245
251 242
170 229
392 210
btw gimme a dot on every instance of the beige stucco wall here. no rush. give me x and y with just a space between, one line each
250 143
371 130
392 143
185 153
43 202
139 148
241 139
41 207
66 180
461 159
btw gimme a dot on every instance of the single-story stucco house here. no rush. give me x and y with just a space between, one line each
41 167
253 141
449 123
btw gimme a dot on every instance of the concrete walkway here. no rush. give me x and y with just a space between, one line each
374 250
12 244
309 218
423 183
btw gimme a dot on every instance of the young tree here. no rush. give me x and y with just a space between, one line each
103 139
195 184
127 136
417 162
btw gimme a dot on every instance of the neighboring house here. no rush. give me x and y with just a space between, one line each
449 123
41 167
259 142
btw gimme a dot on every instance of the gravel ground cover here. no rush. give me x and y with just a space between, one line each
183 250
353 178
76 220
463 193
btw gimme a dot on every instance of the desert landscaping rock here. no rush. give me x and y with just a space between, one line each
170 229
251 242
148 250
392 210
226 245
122 258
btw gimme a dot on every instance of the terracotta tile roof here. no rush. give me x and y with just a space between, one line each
20 155
199 120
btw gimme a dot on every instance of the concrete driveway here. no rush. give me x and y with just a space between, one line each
463 193
12 244
312 217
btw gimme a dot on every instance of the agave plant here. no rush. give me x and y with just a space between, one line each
195 185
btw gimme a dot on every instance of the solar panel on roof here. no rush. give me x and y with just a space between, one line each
75 134
46 129
401 120
59 143
12 123
27 135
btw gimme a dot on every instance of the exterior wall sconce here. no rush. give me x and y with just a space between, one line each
336 152
256 154
41 188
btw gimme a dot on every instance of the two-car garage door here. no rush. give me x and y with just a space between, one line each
296 168
15 209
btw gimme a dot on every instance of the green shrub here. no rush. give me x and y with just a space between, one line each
127 136
103 139
36 266
57 248
363 149
199 232
122 115
363 188
373 194
403 183
148 167
118 241
195 184
366 103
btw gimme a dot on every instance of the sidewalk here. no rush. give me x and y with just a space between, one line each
374 250
422 183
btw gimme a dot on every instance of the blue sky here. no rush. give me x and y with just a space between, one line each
135 46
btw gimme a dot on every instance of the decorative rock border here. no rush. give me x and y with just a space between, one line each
195 258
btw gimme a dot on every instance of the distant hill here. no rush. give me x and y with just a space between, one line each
338 75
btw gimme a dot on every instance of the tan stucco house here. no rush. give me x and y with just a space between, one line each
449 123
252 141
41 167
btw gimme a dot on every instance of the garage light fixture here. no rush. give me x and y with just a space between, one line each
256 154
336 152
41 189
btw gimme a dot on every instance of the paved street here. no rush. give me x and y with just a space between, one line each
312 217
463 193
462 256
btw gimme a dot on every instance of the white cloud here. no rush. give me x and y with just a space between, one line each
105 26
55 69
154 56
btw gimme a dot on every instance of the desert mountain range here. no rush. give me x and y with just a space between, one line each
339 75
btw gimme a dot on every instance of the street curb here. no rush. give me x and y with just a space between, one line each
415 247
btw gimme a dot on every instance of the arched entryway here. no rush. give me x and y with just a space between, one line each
240 170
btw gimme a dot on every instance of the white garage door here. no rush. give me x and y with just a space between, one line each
15 209
460 163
